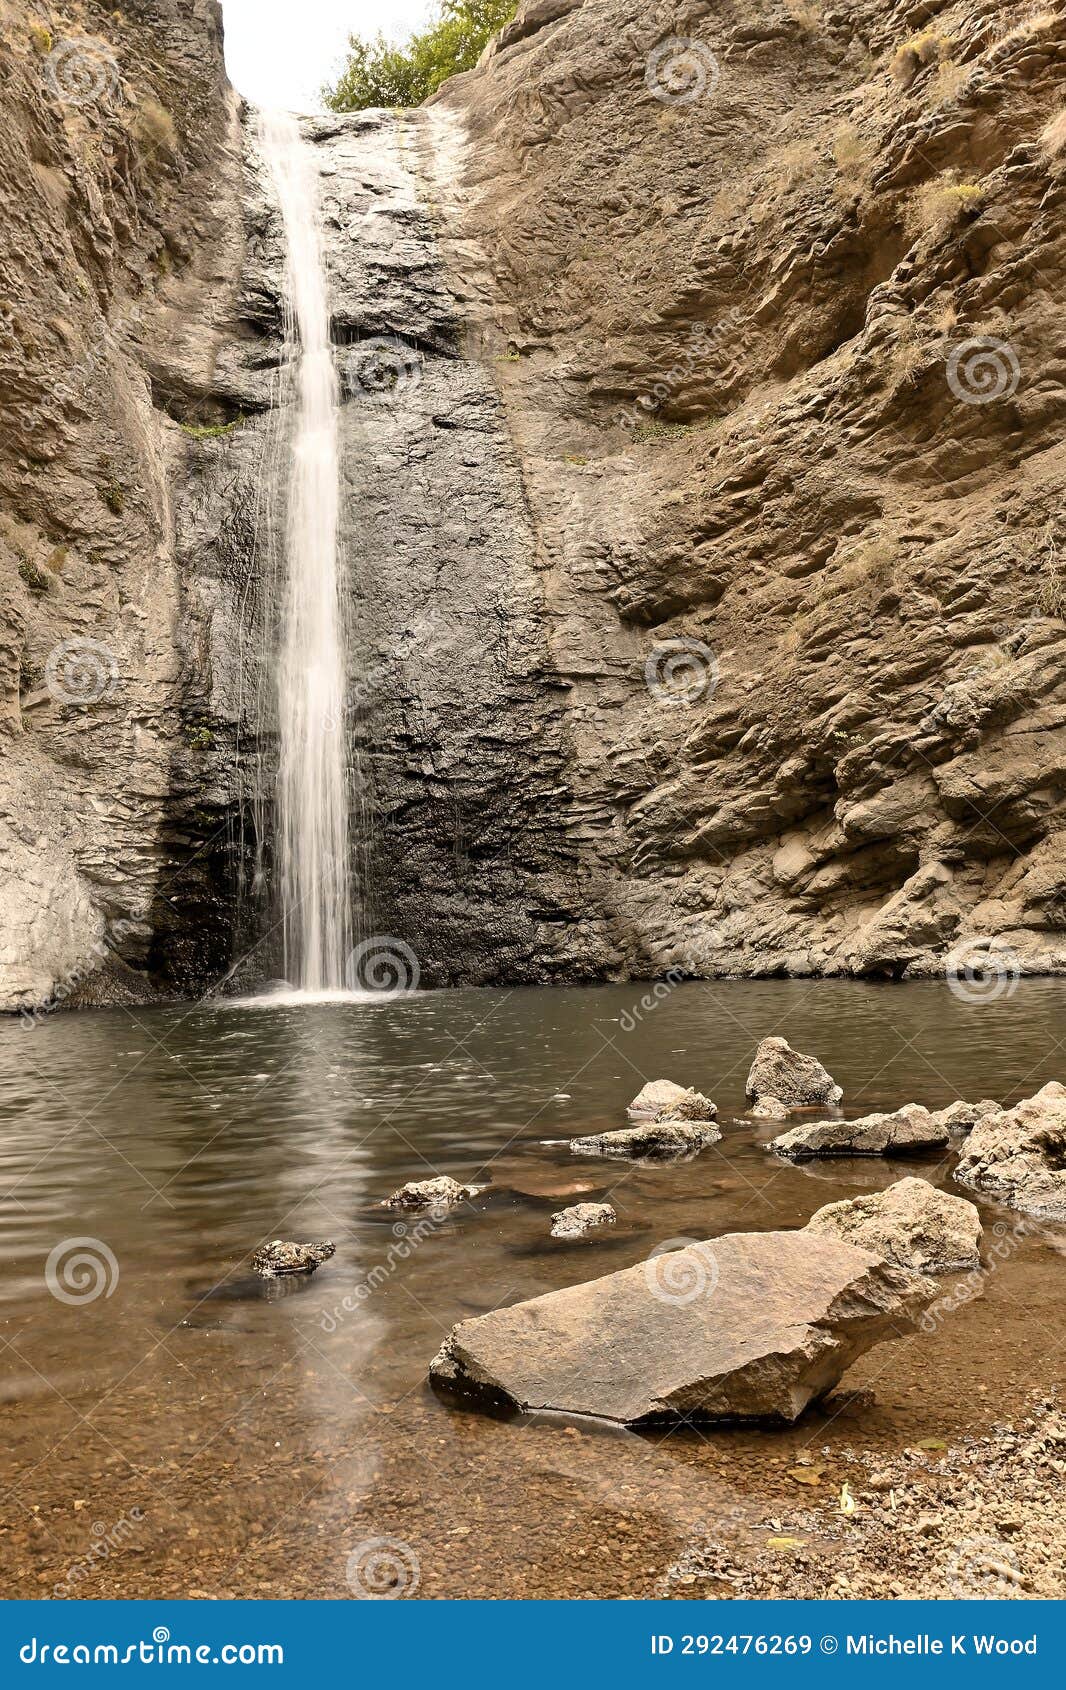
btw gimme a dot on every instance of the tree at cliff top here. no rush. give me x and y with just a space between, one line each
380 74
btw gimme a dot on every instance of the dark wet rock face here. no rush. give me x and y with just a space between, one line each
703 621
744 1327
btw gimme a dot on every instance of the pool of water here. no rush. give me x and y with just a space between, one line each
210 1441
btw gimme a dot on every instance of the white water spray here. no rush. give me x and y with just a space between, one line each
312 790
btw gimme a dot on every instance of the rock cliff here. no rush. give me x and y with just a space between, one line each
701 508
784 372
121 239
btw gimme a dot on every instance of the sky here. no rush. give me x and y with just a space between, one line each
279 52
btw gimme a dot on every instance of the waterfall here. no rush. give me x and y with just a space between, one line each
312 825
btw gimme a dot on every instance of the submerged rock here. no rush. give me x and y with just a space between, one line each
770 1109
658 1138
962 1117
1018 1156
794 1080
909 1128
441 1193
546 1184
581 1218
281 1256
911 1223
663 1099
751 1326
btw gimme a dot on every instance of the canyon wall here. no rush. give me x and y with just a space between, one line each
780 288
702 414
120 251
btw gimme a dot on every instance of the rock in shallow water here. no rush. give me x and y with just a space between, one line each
911 1223
909 1128
751 1326
1019 1155
796 1081
662 1098
962 1117
770 1109
581 1218
281 1255
662 1139
441 1193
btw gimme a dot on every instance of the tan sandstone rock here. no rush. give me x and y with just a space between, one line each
909 1128
673 1102
665 1140
794 1080
580 1218
1019 1155
440 1193
910 1223
751 1326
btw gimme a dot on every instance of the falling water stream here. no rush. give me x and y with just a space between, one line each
312 788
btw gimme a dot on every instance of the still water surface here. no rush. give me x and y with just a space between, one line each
245 1446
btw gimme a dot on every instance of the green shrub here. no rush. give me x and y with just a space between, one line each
113 497
210 431
935 207
41 36
34 577
929 48
380 74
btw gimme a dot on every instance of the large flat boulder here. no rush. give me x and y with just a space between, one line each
1019 1155
907 1129
751 1326
660 1140
795 1080
665 1098
910 1223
